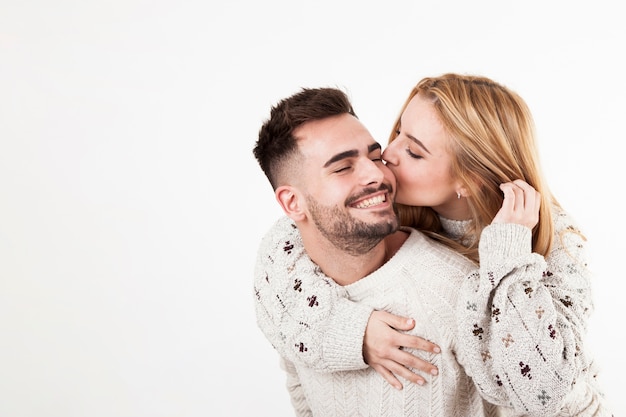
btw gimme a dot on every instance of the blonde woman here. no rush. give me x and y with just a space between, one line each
464 154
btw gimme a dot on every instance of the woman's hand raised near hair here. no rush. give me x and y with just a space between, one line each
382 349
520 206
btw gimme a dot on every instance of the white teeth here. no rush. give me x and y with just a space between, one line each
371 202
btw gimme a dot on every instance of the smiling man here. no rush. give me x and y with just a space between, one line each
328 176
338 191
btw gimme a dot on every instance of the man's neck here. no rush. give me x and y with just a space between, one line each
346 268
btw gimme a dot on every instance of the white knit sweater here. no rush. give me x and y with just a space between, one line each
421 280
516 325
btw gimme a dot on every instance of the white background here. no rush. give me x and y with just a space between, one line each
131 206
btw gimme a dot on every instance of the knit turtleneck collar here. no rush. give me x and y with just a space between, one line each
455 229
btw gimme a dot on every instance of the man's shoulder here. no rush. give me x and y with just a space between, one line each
417 237
427 251
282 229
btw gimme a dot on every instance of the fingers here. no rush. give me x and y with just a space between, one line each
388 376
399 339
522 194
383 349
416 342
529 195
407 360
532 197
397 322
391 370
398 371
513 195
521 204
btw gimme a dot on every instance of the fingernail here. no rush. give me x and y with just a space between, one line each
434 372
436 349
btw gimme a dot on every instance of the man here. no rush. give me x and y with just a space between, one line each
328 176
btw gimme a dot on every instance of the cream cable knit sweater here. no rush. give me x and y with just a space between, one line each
420 280
519 321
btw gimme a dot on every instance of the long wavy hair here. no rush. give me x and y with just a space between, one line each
492 141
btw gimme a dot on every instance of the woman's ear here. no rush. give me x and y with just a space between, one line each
461 190
290 201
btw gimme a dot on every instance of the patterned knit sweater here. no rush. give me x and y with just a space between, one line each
516 325
420 280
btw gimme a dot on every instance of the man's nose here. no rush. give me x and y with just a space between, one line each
371 172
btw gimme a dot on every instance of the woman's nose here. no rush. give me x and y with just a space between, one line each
389 154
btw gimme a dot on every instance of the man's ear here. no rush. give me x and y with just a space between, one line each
290 201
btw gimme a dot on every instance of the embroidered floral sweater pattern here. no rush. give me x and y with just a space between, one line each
518 327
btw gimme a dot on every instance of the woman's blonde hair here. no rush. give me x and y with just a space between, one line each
492 140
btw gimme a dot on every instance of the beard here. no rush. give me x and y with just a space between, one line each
348 234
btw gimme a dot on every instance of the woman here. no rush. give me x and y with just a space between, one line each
464 154
466 163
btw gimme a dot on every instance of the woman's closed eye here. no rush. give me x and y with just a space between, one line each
413 155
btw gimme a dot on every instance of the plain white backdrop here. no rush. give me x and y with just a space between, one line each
131 206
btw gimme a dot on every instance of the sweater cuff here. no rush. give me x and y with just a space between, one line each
343 342
502 241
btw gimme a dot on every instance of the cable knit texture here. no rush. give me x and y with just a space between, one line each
421 280
516 326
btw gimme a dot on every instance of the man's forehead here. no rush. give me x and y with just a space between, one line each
336 147
334 135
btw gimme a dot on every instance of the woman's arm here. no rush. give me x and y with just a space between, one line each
310 321
524 318
304 314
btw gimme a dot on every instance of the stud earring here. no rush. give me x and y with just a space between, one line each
458 195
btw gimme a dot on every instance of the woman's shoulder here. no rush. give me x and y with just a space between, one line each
569 238
564 221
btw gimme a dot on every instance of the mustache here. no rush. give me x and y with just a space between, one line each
368 191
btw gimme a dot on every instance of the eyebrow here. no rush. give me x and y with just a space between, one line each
351 154
418 142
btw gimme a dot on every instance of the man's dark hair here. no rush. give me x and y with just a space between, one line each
276 143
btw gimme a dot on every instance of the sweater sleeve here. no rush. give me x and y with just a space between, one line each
305 315
523 318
